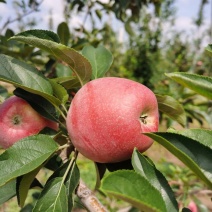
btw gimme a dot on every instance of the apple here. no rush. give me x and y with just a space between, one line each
107 117
19 120
192 206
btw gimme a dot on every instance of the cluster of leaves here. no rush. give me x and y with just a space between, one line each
138 182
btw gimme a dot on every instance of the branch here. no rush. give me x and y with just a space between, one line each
89 200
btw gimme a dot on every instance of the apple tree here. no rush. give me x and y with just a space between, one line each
136 181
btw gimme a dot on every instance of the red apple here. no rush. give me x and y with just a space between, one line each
192 206
18 120
107 117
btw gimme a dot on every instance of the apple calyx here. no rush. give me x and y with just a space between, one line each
143 118
16 120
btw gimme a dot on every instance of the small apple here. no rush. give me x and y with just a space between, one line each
107 117
19 120
192 206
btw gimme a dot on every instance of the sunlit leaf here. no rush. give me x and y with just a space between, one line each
100 59
25 76
198 83
53 198
77 62
192 153
135 189
146 168
25 156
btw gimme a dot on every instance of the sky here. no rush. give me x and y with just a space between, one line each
187 11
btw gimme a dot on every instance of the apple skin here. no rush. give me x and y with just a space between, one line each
104 122
19 120
192 206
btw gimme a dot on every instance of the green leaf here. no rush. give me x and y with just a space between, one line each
200 84
53 198
25 156
71 184
193 154
100 171
42 34
23 185
63 32
40 104
203 136
7 191
146 168
59 91
68 82
63 70
208 50
172 108
25 76
77 62
135 189
100 59
68 177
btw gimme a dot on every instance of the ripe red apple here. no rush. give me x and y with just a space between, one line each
107 117
18 120
192 206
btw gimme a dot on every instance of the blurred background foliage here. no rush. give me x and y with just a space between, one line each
146 52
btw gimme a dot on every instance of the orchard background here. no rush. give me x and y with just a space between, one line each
175 67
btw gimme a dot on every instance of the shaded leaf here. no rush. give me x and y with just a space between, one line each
135 189
42 34
39 103
172 108
146 168
25 156
23 185
193 154
7 191
100 59
59 91
77 62
71 183
200 84
63 70
68 82
63 32
100 171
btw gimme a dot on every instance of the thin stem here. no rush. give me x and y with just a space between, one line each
63 146
61 113
64 108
